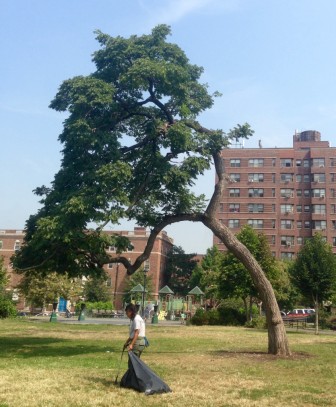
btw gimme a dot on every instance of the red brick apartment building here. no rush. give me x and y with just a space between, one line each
287 193
11 240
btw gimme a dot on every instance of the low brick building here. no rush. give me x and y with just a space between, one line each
11 240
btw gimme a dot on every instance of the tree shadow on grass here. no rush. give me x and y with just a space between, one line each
258 355
32 347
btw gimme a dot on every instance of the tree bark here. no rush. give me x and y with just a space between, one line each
277 339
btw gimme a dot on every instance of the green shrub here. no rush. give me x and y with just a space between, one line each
200 317
231 316
7 308
258 322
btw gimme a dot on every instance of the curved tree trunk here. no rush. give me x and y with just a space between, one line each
277 339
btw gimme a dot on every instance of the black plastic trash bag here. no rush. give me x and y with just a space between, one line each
141 378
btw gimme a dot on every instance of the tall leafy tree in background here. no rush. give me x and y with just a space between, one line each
41 290
314 272
95 289
132 149
179 268
234 281
207 275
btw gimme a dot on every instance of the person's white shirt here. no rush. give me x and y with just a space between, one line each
137 323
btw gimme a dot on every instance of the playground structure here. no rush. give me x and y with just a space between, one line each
170 307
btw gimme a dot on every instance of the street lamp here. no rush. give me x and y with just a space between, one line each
145 271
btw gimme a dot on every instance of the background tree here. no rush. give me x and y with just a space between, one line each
179 268
234 281
41 290
95 289
134 280
4 278
207 274
314 272
7 306
132 148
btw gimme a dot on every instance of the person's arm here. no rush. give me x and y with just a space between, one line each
133 340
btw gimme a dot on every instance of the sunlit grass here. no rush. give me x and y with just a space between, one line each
44 364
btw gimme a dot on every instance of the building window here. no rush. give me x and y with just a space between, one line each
286 208
273 239
298 163
256 223
318 193
319 178
235 177
332 177
299 192
234 207
235 162
333 208
286 177
333 193
112 249
17 245
287 255
255 177
273 162
286 162
286 193
273 178
221 207
299 240
110 265
234 192
1 244
306 163
256 192
109 282
306 178
320 209
299 224
334 241
306 193
307 224
286 224
298 208
319 224
332 162
334 224
255 208
318 162
306 208
256 162
273 192
233 223
298 178
273 207
287 241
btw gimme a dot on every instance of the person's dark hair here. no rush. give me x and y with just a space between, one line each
132 308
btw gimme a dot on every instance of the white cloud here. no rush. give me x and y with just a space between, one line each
171 11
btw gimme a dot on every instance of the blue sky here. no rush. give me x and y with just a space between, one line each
273 61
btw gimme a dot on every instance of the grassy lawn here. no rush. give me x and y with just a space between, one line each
45 364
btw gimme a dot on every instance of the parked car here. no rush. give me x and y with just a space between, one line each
300 312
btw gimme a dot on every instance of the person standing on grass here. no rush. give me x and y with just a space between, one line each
137 331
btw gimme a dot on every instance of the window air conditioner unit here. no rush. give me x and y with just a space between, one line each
250 180
288 244
322 166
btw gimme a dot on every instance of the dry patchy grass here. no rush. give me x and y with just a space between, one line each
53 365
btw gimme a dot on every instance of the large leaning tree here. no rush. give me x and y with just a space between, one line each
132 149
